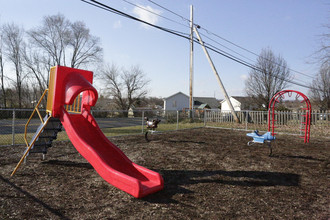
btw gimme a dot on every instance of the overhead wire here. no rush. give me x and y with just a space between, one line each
226 47
154 13
217 50
113 10
166 9
228 41
185 36
255 54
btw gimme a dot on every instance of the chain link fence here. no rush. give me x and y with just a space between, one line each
114 123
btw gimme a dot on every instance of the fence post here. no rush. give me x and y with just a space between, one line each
177 120
205 112
13 128
246 119
142 126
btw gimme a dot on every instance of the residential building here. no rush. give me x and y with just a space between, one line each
180 101
239 103
176 102
213 103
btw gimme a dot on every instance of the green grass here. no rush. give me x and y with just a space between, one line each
319 130
109 132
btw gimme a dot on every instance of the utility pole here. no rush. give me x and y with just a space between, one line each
217 76
191 101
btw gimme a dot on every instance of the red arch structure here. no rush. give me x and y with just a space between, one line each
307 116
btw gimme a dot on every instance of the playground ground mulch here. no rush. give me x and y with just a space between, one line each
208 173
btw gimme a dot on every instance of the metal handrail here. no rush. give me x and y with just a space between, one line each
25 132
35 110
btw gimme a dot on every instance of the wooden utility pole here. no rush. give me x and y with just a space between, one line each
217 76
191 101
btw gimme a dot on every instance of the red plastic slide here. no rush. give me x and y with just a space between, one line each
107 159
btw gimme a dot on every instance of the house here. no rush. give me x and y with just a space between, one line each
203 106
180 101
176 102
210 101
239 103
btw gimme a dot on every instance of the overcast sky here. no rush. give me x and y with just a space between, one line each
290 28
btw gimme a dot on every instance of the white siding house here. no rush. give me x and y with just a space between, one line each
176 102
239 103
225 106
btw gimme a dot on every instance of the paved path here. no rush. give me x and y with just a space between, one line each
6 124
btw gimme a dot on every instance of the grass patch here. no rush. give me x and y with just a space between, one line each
108 132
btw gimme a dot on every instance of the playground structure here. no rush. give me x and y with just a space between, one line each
151 127
70 97
269 136
305 121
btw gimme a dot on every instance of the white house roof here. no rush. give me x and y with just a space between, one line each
176 94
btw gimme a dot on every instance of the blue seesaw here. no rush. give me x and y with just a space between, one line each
258 138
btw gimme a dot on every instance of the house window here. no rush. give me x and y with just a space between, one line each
174 104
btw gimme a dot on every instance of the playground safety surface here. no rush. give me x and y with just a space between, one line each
208 174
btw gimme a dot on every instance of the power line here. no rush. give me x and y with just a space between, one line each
154 13
228 41
183 18
211 33
225 54
185 36
226 47
115 11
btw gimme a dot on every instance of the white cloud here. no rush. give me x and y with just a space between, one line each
145 13
244 77
117 24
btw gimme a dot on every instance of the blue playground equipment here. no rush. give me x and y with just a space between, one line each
258 138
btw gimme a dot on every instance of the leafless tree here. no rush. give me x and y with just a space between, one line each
322 55
36 67
66 43
320 92
125 87
85 47
270 76
52 37
14 47
2 71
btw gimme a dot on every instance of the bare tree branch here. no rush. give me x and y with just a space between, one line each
2 73
270 77
14 47
85 47
125 87
53 37
66 42
320 94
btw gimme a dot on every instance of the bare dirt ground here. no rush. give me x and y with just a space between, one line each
208 173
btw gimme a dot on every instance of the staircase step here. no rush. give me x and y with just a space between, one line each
47 135
50 137
47 144
52 129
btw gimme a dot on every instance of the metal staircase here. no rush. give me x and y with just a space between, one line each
45 135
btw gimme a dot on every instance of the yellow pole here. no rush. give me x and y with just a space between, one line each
29 148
